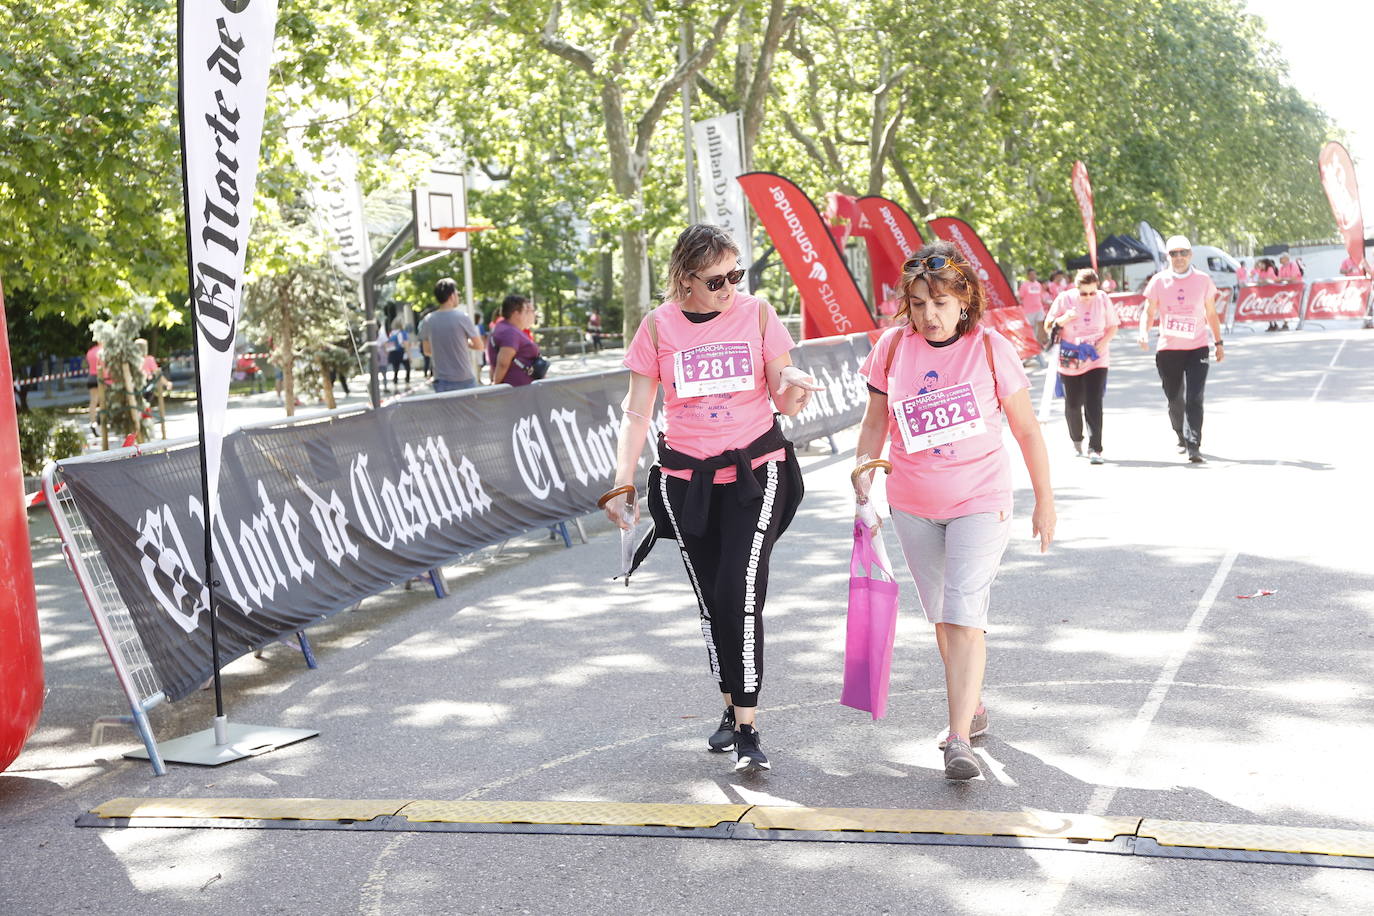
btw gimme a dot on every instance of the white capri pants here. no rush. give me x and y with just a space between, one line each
954 562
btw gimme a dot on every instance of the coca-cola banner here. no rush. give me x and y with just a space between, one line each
1270 302
315 516
1012 324
1329 300
961 234
1130 308
1083 193
831 301
892 239
1338 180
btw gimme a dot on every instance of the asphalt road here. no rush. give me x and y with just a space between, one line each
1125 677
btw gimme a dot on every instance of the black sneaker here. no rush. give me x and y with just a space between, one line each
749 757
724 737
1195 456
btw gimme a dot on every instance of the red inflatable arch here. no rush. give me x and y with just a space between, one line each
21 659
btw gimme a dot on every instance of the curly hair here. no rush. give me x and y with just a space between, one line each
698 247
956 278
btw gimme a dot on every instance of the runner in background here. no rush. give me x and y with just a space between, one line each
1185 300
94 392
1033 296
727 483
950 487
1087 323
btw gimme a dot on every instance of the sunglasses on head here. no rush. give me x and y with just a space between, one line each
715 283
1179 253
933 263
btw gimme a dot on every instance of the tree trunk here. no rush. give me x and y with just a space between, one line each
288 370
327 381
636 286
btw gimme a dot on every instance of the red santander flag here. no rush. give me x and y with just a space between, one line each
831 302
1338 180
892 238
1083 193
1004 313
962 236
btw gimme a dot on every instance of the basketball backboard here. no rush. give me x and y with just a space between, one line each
440 203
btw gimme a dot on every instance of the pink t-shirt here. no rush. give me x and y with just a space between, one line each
965 476
1181 304
1054 289
1032 296
1290 271
1266 275
93 360
1242 276
704 425
1088 326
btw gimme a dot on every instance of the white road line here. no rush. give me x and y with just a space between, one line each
1130 746
1048 900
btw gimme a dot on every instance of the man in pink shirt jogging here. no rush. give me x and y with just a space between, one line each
1185 301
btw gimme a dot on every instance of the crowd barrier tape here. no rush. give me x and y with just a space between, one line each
320 511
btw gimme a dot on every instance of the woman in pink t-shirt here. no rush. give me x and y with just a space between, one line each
727 483
1087 322
940 388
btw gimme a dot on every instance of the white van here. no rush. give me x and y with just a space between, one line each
1220 265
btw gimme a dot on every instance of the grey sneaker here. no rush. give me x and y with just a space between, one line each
978 728
959 760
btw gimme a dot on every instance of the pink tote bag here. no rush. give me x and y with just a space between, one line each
871 626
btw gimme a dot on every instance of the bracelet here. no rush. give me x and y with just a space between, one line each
1219 343
633 413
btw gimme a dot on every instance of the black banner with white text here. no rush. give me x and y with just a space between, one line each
314 516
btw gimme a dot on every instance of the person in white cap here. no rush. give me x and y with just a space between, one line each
1185 301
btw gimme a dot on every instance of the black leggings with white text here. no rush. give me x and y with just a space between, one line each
728 568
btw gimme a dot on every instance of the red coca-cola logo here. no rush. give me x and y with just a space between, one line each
1268 303
1129 309
1338 299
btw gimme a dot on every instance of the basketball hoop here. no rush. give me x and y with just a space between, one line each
447 232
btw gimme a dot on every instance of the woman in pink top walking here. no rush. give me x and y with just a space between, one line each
727 483
1086 322
940 388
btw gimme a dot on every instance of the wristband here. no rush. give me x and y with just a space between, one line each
1219 343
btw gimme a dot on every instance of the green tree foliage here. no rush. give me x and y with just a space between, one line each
572 110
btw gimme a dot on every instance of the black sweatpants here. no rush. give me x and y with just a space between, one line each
1184 376
1083 400
728 568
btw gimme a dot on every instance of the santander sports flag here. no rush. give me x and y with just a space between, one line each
831 302
1083 193
892 238
1338 180
961 234
226 46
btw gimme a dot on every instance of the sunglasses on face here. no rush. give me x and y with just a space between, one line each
1180 253
715 283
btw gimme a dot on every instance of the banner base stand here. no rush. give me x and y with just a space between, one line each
200 749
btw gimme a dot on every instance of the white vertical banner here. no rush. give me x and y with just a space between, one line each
719 143
225 47
338 203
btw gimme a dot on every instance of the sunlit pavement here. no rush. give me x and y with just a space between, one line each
1125 677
